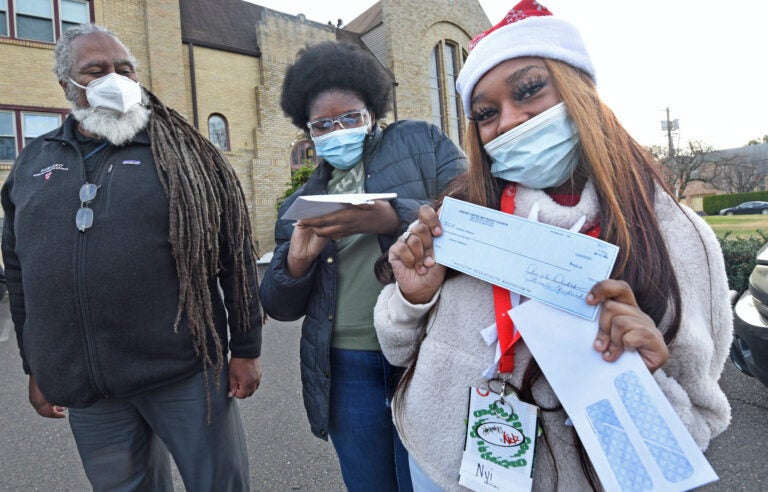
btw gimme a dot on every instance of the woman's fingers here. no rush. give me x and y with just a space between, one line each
428 217
624 326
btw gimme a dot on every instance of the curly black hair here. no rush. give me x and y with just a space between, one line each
334 65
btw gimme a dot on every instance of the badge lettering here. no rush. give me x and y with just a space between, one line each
48 170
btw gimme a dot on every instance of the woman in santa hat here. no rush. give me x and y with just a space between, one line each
541 143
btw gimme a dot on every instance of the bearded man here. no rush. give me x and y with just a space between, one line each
131 277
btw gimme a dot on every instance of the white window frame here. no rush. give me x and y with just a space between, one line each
52 19
85 3
449 115
56 20
35 113
4 9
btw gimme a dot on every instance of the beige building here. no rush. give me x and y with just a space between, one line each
221 64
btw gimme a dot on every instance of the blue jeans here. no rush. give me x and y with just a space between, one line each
124 443
371 456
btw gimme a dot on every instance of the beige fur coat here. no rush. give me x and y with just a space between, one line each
453 354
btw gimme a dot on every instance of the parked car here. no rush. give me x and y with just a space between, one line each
747 208
749 350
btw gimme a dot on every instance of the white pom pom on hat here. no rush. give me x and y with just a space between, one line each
529 29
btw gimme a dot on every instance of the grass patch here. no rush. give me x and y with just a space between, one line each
738 226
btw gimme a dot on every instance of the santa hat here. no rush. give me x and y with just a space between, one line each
529 29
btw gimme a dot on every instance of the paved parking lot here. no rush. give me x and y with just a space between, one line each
39 454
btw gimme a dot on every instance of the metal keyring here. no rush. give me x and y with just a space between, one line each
496 407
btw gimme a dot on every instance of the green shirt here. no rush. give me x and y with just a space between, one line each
356 285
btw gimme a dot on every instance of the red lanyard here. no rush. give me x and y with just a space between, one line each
502 303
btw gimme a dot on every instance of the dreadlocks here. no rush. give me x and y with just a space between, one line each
205 203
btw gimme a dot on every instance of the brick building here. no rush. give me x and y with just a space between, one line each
221 64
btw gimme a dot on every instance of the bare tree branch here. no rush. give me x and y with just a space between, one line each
689 164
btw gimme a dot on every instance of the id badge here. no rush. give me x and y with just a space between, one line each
499 448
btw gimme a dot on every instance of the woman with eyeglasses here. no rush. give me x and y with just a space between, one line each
323 268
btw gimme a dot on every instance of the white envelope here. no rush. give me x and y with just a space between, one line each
632 434
309 206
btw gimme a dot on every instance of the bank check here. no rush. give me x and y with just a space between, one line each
555 266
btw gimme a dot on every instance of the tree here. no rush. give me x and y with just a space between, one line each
689 164
298 178
740 178
758 141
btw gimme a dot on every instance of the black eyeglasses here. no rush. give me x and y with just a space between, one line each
350 119
84 217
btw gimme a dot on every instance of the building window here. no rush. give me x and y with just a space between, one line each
7 136
41 20
451 64
444 63
19 126
3 17
34 20
73 13
217 131
36 124
435 88
302 154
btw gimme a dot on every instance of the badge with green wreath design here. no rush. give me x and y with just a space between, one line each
499 448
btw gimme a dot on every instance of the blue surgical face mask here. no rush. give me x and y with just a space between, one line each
342 148
540 153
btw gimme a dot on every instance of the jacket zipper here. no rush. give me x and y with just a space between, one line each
84 311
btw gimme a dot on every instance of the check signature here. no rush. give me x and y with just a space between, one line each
555 283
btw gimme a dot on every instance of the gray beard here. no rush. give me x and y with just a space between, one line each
115 127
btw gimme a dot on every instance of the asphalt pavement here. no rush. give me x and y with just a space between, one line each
38 454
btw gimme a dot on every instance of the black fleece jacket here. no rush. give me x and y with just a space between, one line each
94 310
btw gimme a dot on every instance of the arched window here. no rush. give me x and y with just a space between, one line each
444 63
302 154
218 133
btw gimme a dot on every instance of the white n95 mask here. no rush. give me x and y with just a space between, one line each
112 91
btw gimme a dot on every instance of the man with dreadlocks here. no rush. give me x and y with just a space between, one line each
131 276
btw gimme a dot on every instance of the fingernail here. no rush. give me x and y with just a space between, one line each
590 297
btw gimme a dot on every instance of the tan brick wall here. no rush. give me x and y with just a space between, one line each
281 36
414 27
245 89
152 32
163 21
26 76
127 19
224 85
27 79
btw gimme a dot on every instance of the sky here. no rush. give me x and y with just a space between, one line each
702 59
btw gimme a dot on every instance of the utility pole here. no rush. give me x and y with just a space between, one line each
669 126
